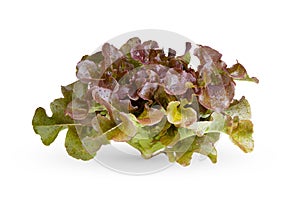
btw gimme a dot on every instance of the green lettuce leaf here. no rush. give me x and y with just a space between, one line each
74 145
239 108
242 135
147 146
147 138
179 115
183 150
49 127
46 126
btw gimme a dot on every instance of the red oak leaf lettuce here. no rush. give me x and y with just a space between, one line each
155 100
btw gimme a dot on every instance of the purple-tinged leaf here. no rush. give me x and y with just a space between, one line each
77 109
176 83
111 54
147 91
88 71
130 44
238 72
151 115
207 55
142 52
217 90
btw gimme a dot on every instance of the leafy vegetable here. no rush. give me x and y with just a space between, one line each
75 147
157 102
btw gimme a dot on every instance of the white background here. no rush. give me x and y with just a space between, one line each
41 43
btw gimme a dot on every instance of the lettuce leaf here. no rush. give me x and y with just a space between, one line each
238 72
75 147
49 127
